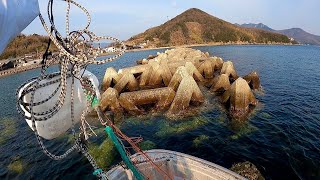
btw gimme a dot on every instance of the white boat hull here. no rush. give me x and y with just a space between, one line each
177 165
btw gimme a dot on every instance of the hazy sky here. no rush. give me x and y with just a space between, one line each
124 19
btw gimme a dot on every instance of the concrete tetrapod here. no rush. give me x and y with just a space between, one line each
208 66
111 76
187 91
109 99
134 69
173 65
179 70
177 77
220 83
161 97
160 73
218 62
145 71
207 69
144 78
129 81
228 69
253 80
240 96
193 71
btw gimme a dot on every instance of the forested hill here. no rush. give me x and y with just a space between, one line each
24 44
195 26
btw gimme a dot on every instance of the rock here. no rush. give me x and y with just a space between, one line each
241 97
142 61
247 170
188 91
253 80
152 57
139 62
111 77
161 97
109 100
220 84
228 69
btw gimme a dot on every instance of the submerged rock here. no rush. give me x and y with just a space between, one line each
16 166
200 140
169 128
103 153
147 145
247 170
8 127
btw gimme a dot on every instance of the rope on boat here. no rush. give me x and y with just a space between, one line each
74 56
124 156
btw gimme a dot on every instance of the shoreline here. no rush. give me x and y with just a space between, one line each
215 44
16 70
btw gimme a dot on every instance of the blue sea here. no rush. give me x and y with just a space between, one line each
281 136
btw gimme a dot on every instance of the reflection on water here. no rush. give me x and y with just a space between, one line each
281 137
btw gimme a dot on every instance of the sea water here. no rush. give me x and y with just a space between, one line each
281 137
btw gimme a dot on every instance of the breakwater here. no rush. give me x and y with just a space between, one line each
16 70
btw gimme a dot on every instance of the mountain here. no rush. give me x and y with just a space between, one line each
197 27
25 44
258 26
298 34
301 36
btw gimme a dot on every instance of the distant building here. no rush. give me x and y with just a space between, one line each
111 49
128 47
7 65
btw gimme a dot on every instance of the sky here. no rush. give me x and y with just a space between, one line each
124 18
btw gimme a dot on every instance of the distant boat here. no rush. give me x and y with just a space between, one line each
178 165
